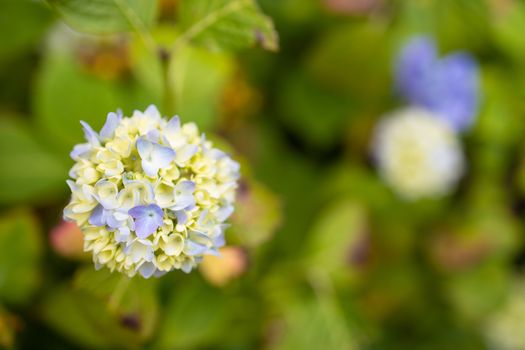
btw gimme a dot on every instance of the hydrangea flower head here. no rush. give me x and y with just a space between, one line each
417 154
150 195
448 86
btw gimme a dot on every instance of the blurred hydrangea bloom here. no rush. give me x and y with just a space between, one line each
505 328
417 154
150 195
448 86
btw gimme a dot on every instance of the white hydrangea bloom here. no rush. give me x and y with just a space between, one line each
417 154
150 195
504 329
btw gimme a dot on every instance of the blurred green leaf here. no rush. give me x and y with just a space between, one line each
506 18
28 171
196 315
103 309
322 120
335 235
315 324
83 319
89 98
106 16
199 78
457 24
20 251
474 294
133 298
364 50
225 24
22 24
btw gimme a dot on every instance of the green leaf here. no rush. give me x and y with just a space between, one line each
475 294
323 119
505 26
335 235
89 98
20 251
195 315
28 172
315 324
199 78
84 320
106 16
22 24
363 48
225 24
130 297
103 310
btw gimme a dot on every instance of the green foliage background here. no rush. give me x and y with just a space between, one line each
334 259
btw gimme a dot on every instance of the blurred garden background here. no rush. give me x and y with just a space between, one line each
323 252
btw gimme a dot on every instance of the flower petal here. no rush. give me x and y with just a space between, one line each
193 248
185 153
80 151
138 211
98 216
152 111
174 245
147 269
144 147
183 201
90 135
147 219
106 194
162 156
112 121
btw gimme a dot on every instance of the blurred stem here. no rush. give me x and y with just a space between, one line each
168 92
120 289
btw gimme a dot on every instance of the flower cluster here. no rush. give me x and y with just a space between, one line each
417 149
447 87
417 154
150 195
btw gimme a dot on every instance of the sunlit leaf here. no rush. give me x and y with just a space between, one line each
225 24
106 16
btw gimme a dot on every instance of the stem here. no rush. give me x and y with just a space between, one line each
168 101
116 296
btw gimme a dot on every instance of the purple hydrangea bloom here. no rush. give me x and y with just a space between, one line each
448 86
148 218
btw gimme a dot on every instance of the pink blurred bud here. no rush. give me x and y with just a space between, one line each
67 240
219 270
